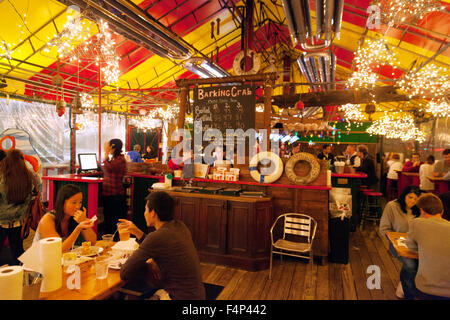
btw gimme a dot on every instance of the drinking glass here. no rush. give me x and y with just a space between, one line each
124 234
108 240
101 267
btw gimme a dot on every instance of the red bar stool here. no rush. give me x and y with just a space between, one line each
372 207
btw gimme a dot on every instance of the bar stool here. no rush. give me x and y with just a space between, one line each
372 207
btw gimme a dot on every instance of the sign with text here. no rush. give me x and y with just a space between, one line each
225 107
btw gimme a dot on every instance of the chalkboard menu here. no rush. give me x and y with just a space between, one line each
225 107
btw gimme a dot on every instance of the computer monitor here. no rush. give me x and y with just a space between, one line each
87 161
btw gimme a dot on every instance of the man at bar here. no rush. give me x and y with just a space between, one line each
442 167
326 154
135 155
166 258
352 158
367 166
414 164
295 148
430 236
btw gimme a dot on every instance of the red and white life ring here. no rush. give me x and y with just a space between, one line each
256 63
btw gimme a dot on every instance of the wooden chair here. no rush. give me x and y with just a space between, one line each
297 226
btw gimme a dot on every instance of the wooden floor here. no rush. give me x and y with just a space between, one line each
292 279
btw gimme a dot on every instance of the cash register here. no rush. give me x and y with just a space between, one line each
88 165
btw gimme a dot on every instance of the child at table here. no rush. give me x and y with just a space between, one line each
430 236
67 221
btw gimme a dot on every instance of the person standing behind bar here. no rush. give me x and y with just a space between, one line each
367 166
352 158
425 171
114 199
149 154
392 176
326 154
135 155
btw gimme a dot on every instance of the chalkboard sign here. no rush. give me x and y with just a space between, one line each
225 107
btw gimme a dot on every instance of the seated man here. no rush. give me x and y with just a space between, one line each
166 258
135 155
430 236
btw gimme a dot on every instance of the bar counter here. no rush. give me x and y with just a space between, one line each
227 230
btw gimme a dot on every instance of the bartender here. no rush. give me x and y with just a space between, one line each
326 154
352 157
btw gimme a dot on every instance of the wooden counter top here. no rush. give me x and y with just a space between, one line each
214 196
349 175
292 186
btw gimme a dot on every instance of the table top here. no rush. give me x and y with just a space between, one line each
349 175
73 178
90 288
401 250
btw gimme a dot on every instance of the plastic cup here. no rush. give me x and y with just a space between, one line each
124 235
108 240
101 267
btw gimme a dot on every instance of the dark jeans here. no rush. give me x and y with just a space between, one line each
407 274
114 208
15 242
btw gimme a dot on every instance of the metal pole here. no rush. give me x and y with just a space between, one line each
99 113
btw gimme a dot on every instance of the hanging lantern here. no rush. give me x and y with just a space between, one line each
300 105
76 104
60 107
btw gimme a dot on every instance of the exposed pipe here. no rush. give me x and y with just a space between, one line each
332 71
328 17
319 17
338 11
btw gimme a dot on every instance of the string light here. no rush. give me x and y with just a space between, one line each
430 80
352 113
439 108
87 102
407 11
397 127
369 58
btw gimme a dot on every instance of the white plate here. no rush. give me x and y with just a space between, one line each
95 251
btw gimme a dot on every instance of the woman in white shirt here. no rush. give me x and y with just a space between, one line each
425 171
392 176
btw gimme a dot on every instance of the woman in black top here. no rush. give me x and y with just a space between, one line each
367 166
149 154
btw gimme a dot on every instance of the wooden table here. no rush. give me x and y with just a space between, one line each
401 251
440 185
406 179
90 288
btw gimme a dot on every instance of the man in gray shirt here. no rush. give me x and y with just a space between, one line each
430 236
166 258
442 167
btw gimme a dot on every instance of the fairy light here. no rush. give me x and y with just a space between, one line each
352 114
111 70
439 108
397 127
6 48
430 80
369 58
407 11
87 102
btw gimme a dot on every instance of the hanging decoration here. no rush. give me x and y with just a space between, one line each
369 59
352 114
440 108
396 126
430 80
398 12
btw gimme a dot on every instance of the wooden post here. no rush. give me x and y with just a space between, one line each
183 100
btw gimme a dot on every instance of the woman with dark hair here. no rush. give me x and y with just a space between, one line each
67 221
17 188
149 154
114 198
396 217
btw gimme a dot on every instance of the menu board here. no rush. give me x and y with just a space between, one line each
225 107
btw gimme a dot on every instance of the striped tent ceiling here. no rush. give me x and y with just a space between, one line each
147 79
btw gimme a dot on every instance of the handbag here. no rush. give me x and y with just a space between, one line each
36 211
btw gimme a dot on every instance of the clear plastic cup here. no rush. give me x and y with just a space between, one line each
124 233
101 267
108 240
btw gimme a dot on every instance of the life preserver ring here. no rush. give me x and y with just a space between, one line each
274 159
311 176
237 63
